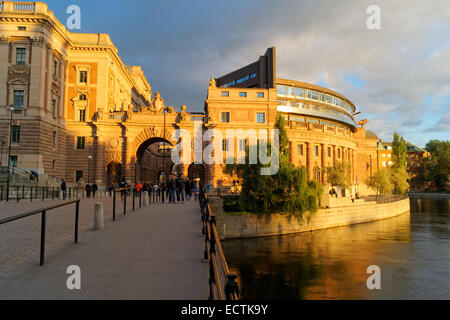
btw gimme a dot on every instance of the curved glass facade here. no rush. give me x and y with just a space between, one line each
314 103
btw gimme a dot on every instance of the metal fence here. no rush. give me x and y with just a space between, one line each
222 283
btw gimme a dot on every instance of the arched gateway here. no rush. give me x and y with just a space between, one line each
131 144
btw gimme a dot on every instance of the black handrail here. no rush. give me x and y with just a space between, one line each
124 192
43 211
31 192
222 283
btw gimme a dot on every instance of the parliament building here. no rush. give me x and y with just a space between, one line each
70 108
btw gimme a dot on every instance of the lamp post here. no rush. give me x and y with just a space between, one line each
164 158
89 162
11 109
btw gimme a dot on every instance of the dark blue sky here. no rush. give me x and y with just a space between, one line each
398 76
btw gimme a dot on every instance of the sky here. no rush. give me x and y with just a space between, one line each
397 76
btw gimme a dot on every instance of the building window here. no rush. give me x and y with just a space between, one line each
383 155
253 75
53 164
54 107
390 163
260 117
15 134
316 150
13 160
281 91
82 115
54 139
260 94
22 28
78 175
225 117
81 143
83 97
242 144
339 153
21 54
300 150
243 94
389 155
55 68
19 99
83 76
225 94
329 152
225 145
384 163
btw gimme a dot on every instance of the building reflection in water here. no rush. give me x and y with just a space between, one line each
412 250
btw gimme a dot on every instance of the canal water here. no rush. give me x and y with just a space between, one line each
412 251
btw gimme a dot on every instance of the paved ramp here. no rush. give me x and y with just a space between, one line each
153 253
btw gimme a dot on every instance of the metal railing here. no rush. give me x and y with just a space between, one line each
43 213
124 193
21 193
222 283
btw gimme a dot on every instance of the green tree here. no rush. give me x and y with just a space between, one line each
437 165
398 171
287 191
339 175
381 182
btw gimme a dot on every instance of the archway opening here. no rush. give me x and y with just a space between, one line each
153 160
114 173
197 172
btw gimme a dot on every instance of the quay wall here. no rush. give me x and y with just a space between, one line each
252 225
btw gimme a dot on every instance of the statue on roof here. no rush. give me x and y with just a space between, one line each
157 103
362 123
212 83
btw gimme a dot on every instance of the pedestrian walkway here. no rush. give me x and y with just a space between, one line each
152 253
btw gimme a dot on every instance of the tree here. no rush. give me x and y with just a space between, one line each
398 171
287 191
339 175
381 182
437 165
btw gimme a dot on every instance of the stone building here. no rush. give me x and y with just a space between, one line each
80 112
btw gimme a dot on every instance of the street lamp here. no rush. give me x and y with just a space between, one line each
89 162
11 109
164 158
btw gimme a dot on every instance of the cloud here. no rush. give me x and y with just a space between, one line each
181 44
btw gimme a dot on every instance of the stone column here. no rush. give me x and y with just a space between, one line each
334 155
323 164
309 160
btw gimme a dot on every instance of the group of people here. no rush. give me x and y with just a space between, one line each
176 190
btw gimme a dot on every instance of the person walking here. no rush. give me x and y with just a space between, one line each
88 190
63 189
171 188
188 189
122 185
94 190
196 192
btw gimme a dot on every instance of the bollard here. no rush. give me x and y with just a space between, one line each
98 217
145 199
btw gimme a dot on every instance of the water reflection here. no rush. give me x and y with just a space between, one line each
412 250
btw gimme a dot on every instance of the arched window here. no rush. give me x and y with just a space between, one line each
83 97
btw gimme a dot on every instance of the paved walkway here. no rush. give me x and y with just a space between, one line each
152 253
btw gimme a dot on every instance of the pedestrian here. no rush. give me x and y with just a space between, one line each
94 190
188 190
171 188
180 188
122 185
88 190
196 192
63 189
156 192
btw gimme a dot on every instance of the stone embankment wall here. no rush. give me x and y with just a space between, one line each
432 196
252 225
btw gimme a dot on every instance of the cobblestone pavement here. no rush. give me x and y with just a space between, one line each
152 253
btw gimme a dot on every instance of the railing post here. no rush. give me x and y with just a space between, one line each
1 196
77 214
125 203
53 193
134 195
43 218
140 199
31 194
114 205
17 194
232 286
212 239
23 192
